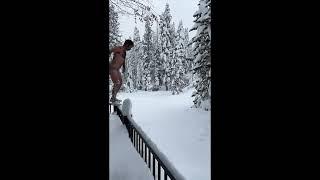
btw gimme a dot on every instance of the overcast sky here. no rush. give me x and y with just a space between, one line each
179 9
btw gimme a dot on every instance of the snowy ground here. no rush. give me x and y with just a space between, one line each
182 133
125 162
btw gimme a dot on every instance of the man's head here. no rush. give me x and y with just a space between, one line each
128 44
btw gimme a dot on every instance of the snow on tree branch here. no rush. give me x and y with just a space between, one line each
137 8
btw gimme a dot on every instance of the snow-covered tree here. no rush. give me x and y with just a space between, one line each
165 47
147 57
172 58
136 55
172 32
179 59
188 50
202 60
157 63
162 58
128 78
135 60
137 8
114 36
189 60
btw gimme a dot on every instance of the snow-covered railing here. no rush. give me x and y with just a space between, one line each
153 157
110 108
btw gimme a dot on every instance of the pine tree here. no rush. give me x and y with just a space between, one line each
166 47
189 61
178 76
147 59
172 59
157 63
128 76
202 61
188 50
114 36
173 37
136 63
207 16
162 58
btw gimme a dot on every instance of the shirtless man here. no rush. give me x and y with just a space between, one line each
119 56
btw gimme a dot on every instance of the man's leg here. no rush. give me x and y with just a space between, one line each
117 81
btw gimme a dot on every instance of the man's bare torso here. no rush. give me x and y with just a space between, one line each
119 54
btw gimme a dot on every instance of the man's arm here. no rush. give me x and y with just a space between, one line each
112 50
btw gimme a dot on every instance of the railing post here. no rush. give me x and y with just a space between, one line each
128 125
126 110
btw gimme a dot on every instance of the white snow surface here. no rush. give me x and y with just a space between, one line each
125 162
180 132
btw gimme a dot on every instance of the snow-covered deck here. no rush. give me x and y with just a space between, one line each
125 162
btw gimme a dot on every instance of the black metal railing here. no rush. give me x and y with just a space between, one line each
159 169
